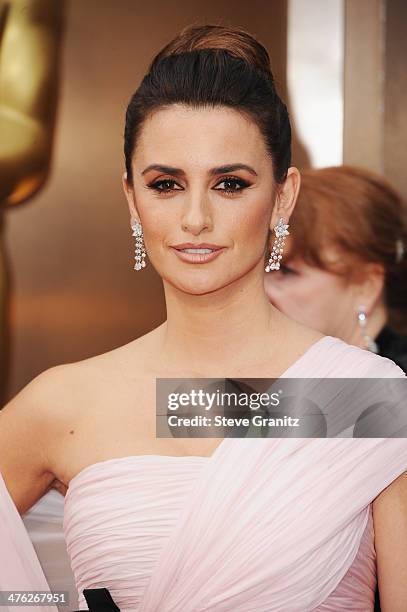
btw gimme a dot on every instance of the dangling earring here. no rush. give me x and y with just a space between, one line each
276 254
362 320
140 248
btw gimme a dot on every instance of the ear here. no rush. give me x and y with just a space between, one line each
131 201
286 197
370 289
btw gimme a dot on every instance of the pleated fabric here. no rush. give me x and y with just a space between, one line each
20 569
43 522
264 525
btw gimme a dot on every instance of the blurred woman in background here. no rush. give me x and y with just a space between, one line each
344 270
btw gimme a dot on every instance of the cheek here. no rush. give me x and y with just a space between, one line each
247 225
160 224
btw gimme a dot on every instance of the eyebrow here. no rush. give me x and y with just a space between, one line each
212 171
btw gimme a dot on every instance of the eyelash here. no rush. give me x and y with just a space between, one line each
243 184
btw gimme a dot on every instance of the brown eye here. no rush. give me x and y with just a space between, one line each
164 186
237 185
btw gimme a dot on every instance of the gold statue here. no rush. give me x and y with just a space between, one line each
30 42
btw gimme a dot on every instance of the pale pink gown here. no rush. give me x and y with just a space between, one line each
264 525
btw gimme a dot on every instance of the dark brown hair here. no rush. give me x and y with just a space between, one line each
363 217
213 65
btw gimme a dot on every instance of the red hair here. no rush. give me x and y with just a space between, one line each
359 214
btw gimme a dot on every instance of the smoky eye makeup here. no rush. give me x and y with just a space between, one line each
238 183
232 184
164 186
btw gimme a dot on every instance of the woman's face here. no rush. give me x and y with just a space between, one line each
203 176
314 297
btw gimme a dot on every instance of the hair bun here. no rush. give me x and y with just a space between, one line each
215 66
236 41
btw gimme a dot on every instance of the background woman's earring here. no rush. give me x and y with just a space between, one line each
276 254
362 320
140 248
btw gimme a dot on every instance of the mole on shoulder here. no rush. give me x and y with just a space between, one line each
72 431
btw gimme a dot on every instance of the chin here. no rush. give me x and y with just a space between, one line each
201 289
191 284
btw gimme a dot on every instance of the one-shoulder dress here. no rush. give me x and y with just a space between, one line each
263 525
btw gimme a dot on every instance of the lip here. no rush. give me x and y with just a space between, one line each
198 258
202 245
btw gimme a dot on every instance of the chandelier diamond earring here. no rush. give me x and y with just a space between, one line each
140 251
281 231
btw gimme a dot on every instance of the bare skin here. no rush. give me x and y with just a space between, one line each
219 319
124 404
221 192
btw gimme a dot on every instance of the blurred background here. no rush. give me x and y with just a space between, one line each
67 71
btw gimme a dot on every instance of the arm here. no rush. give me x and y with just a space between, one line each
27 425
26 429
390 526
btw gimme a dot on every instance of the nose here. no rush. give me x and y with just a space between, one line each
196 216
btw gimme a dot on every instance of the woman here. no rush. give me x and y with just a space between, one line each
356 264
194 524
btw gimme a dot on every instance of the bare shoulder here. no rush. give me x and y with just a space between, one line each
67 416
62 390
27 423
87 374
39 399
38 423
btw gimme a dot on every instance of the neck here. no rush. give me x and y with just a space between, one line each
224 329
